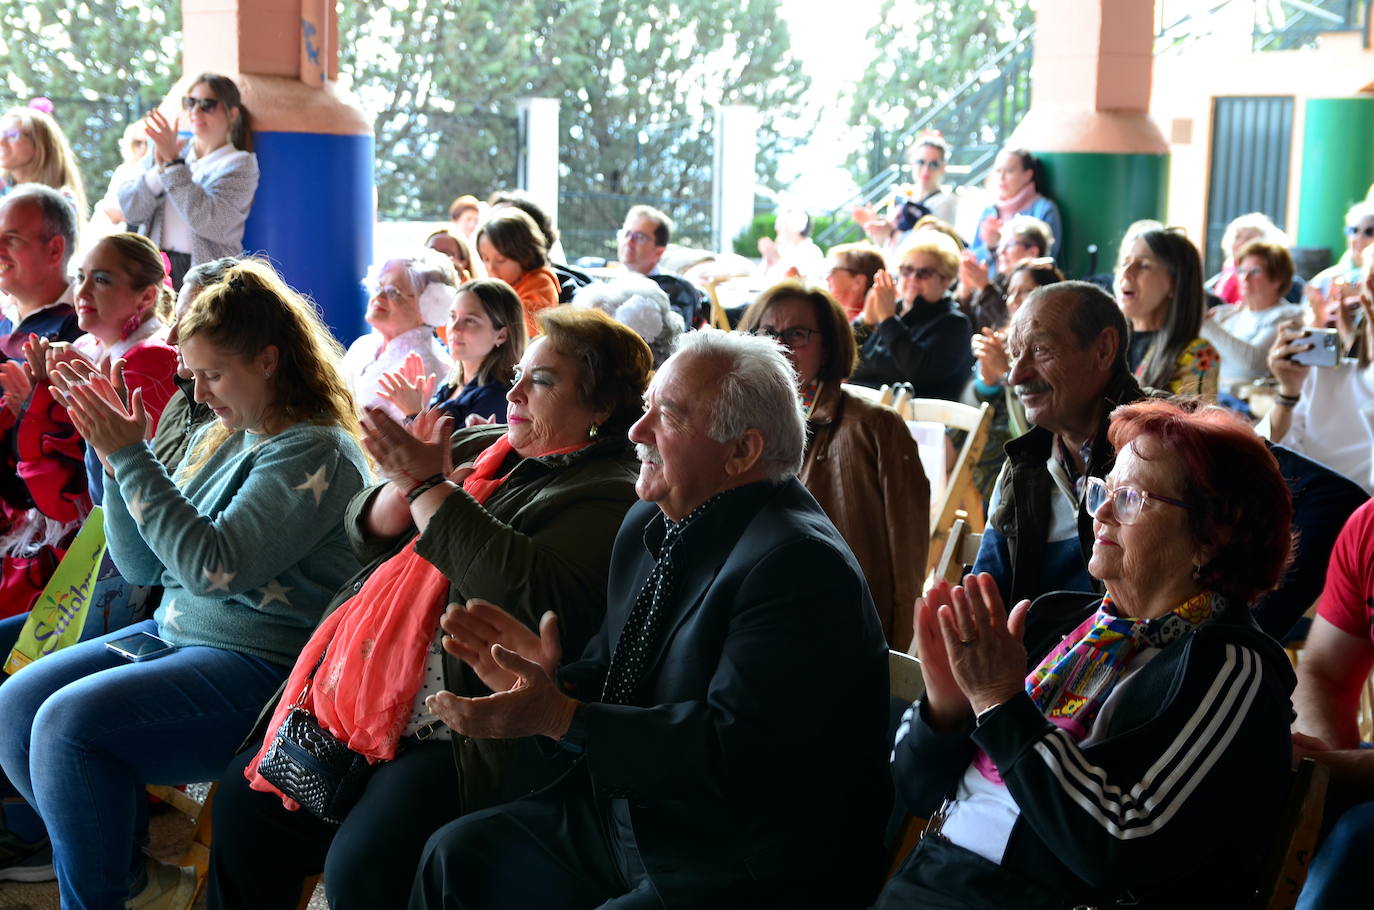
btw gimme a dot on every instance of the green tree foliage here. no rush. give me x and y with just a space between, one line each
637 84
102 62
926 49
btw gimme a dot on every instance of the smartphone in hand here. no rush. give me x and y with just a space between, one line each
1325 350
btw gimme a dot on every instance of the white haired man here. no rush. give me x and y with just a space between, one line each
731 713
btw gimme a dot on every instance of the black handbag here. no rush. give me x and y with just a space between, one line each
310 765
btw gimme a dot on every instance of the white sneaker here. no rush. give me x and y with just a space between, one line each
169 888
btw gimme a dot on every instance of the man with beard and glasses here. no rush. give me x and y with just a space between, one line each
730 716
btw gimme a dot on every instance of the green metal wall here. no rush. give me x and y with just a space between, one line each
1099 195
1337 168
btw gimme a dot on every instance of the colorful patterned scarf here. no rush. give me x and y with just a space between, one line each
1074 680
809 394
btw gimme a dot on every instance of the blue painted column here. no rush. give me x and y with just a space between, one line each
314 210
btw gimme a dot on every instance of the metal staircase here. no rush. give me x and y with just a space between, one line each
975 119
978 116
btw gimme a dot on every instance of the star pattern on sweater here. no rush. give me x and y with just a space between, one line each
274 590
136 505
172 616
315 483
219 579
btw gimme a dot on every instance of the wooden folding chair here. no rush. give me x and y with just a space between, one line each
197 852
960 551
905 684
877 396
1286 871
960 493
719 319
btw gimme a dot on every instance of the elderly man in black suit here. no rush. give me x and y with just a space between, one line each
730 716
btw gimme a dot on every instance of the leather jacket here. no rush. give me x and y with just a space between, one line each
863 467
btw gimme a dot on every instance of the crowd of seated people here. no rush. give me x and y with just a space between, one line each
591 594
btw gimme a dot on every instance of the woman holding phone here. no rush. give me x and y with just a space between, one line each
194 196
1323 405
247 538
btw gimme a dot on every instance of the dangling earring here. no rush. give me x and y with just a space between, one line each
1197 572
130 326
591 434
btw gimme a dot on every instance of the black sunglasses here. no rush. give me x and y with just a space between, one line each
1352 229
206 105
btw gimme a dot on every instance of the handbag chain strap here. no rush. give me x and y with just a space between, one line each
300 699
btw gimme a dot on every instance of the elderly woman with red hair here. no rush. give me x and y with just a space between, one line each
1148 746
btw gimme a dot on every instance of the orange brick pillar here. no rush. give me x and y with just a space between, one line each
313 212
1106 162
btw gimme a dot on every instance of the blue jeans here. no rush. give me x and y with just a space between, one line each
84 730
1338 876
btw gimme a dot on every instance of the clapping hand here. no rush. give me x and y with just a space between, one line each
404 457
881 300
16 385
515 664
990 231
163 134
408 388
989 348
946 704
99 413
973 275
982 643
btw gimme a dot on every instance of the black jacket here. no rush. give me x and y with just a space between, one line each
1177 804
928 347
754 756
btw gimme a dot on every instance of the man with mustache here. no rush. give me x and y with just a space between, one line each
730 715
1067 345
1069 369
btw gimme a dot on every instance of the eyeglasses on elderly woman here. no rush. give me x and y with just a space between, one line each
795 337
1127 502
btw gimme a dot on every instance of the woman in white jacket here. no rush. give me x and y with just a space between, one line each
194 195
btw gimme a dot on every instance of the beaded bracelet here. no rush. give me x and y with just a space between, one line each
424 487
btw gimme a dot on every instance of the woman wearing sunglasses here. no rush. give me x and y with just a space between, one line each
33 149
913 331
1122 749
1332 287
194 195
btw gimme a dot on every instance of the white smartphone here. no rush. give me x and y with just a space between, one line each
1325 350
141 646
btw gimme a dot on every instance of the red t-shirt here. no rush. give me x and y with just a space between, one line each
1347 601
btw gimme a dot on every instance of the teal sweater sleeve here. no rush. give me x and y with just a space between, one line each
258 530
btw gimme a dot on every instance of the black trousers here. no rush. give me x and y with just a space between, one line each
557 849
261 854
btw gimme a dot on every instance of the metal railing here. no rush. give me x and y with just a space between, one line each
975 119
588 221
1274 25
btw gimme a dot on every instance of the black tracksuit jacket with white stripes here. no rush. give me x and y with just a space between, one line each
1177 805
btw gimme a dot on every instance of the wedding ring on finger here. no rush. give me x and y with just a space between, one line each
967 642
